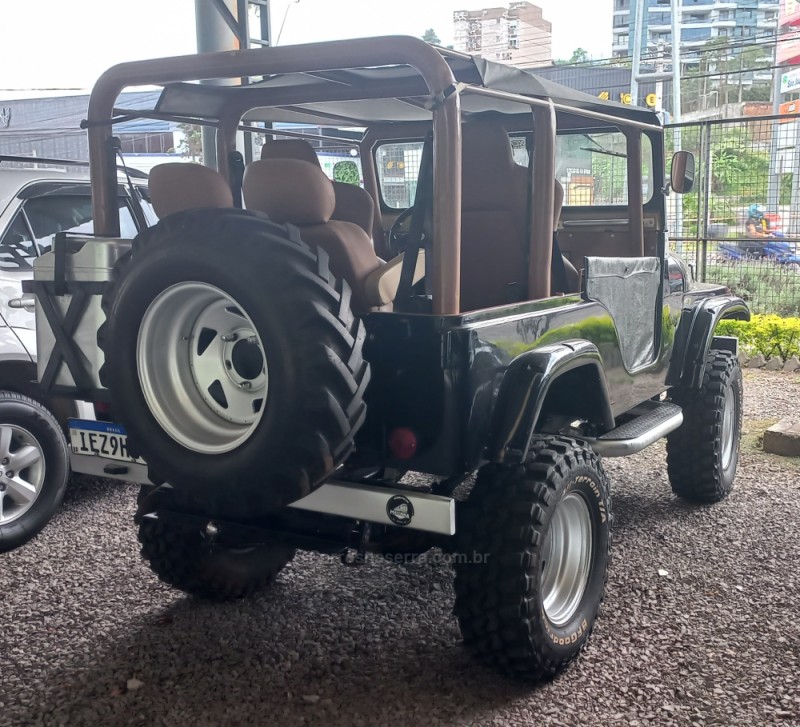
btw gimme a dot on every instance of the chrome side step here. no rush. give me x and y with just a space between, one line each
654 420
387 506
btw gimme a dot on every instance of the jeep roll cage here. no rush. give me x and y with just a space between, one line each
402 80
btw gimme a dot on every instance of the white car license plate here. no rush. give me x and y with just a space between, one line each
100 439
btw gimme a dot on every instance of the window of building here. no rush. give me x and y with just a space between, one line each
693 34
158 143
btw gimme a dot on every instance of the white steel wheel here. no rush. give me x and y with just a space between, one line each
567 558
202 367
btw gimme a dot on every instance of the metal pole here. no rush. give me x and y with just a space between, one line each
214 34
774 185
677 11
638 28
794 210
266 23
677 18
704 207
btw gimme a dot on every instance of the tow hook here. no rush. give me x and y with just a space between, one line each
358 557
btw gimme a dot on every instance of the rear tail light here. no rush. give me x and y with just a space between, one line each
402 443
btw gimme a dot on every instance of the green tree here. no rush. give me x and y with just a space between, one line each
579 55
192 142
429 36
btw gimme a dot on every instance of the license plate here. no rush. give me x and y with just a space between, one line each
100 439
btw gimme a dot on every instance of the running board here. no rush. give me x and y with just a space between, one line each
654 420
384 505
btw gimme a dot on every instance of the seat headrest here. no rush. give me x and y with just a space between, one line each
290 149
289 190
486 143
179 186
488 167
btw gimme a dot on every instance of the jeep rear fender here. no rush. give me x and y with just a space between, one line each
528 381
695 334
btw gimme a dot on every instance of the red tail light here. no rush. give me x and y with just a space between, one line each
402 443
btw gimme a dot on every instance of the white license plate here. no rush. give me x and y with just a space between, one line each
100 439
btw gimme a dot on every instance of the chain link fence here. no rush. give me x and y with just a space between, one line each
740 225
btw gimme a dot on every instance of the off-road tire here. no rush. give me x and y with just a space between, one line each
25 414
499 568
696 461
311 341
182 558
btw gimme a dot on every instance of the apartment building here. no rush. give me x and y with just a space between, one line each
701 21
517 34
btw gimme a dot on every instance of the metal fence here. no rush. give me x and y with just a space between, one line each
741 163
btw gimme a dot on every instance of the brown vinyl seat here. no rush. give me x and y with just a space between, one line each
298 192
494 220
179 186
494 209
353 204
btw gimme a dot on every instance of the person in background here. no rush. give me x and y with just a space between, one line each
756 229
756 225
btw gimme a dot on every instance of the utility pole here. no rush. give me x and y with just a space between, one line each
774 183
677 12
674 75
639 27
222 25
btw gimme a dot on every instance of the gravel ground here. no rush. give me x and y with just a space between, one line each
714 642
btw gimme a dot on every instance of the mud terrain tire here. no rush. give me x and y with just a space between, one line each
703 452
182 558
516 611
233 360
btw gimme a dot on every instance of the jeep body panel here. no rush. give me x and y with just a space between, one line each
704 308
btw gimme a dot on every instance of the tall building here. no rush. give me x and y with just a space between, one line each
789 33
743 22
517 35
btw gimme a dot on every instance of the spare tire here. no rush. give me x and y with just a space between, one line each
233 360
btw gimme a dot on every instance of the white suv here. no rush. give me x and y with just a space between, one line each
35 204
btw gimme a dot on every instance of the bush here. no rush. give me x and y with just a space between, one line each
769 335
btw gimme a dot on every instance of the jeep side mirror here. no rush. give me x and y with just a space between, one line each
681 178
346 172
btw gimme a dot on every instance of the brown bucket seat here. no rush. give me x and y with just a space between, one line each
494 209
179 186
298 192
353 204
494 220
